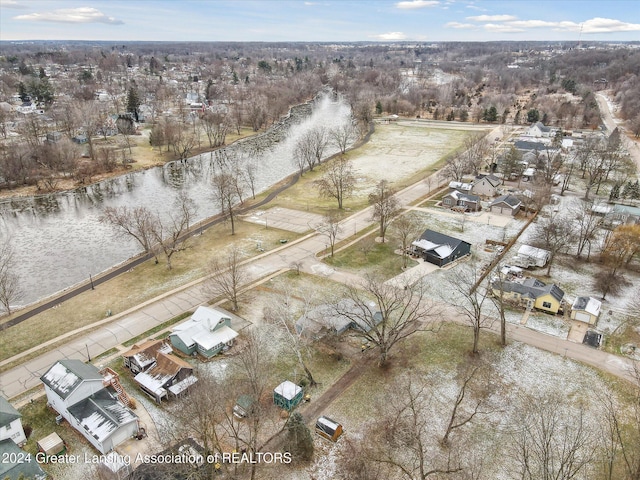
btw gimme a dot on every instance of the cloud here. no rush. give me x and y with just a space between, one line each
11 4
460 25
71 15
492 18
502 28
594 25
605 25
391 36
411 4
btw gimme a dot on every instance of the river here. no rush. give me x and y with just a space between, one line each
58 239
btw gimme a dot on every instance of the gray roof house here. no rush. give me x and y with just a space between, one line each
440 249
532 293
486 185
506 205
77 392
11 423
464 201
12 469
338 318
206 332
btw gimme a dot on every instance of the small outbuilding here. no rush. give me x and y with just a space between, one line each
586 309
328 428
529 256
244 406
287 395
52 444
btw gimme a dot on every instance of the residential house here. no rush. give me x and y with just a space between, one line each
326 317
16 464
506 205
460 186
530 146
11 423
142 357
530 293
622 215
207 332
529 256
169 374
486 185
440 249
586 309
539 130
462 201
76 391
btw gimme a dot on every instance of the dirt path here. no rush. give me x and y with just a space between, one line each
611 122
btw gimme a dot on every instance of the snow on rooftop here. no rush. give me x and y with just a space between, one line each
98 426
287 390
61 379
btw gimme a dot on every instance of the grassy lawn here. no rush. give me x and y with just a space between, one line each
137 286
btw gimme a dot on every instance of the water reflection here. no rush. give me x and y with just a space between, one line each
59 240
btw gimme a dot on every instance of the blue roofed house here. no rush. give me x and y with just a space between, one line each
77 392
440 249
11 423
207 332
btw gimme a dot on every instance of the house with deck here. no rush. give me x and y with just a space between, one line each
79 393
440 249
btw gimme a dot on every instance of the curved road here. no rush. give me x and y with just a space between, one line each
111 332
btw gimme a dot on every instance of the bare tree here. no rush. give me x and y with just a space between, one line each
499 302
553 441
406 228
310 148
476 148
338 180
455 168
466 404
619 249
282 316
469 300
216 128
10 289
250 175
343 136
227 275
401 441
385 206
330 227
138 223
168 232
587 223
225 192
385 314
555 234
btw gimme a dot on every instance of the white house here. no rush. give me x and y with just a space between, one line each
10 423
538 130
76 391
485 185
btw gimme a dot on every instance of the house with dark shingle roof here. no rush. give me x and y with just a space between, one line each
143 356
440 249
12 469
77 392
485 185
530 293
506 205
11 423
463 201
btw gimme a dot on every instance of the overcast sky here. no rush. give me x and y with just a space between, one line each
318 20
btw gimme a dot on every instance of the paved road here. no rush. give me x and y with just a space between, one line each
146 316
611 122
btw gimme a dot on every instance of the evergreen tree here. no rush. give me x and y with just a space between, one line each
626 191
615 192
133 102
533 116
635 191
299 441
378 107
491 114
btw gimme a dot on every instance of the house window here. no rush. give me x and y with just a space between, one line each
546 304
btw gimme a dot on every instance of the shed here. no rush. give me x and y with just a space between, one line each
244 406
287 395
51 444
328 428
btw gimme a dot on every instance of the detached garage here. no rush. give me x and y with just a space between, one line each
586 309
